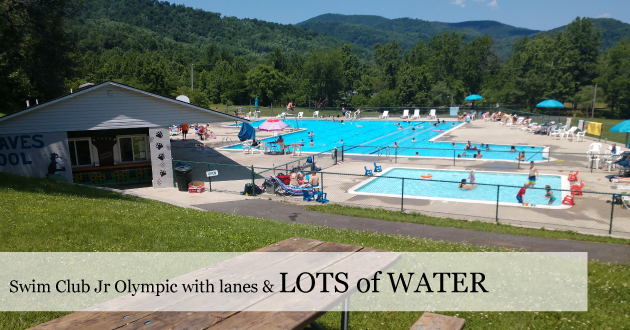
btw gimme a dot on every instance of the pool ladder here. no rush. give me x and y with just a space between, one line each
226 140
383 151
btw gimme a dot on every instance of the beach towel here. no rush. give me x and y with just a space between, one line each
594 128
568 123
581 125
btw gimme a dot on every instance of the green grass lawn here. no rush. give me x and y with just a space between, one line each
606 133
397 216
38 215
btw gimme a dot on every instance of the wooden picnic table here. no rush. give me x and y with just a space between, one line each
217 320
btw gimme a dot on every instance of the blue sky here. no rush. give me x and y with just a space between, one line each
532 14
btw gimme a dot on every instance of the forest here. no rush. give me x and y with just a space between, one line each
50 46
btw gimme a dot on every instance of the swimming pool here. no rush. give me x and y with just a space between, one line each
436 189
364 138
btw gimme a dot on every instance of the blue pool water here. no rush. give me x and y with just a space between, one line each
363 137
387 186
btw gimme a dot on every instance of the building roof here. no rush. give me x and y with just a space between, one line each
87 109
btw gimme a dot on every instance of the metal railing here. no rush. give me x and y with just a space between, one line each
575 209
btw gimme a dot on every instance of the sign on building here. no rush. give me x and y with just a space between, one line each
38 155
161 159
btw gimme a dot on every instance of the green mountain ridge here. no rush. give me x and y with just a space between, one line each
250 38
365 30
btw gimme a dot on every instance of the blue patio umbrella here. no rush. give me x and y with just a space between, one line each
549 104
623 127
256 103
247 132
473 98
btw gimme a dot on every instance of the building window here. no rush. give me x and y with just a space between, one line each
133 148
80 152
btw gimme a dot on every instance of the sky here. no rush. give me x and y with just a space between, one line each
531 14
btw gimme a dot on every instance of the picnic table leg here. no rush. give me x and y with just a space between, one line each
345 314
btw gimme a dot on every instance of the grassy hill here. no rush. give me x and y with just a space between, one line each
250 38
44 216
365 30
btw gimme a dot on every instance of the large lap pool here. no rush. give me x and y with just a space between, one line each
389 184
365 138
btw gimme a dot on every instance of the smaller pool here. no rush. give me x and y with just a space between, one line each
444 186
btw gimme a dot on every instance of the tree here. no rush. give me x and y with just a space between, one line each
616 78
582 37
323 71
277 60
477 63
37 54
387 58
266 83
413 85
350 64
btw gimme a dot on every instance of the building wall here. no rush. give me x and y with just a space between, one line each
107 107
37 155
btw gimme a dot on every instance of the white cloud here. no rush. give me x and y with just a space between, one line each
460 3
493 4
606 15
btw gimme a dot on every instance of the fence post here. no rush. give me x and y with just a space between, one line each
253 183
592 161
342 149
519 162
322 183
454 157
612 212
395 155
497 215
209 179
402 196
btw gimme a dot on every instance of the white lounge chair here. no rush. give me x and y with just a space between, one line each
595 147
258 149
300 114
405 114
609 159
570 133
528 127
593 157
557 132
316 114
579 135
247 147
385 115
518 124
416 114
432 114
297 150
282 115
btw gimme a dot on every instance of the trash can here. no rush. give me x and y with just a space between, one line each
182 176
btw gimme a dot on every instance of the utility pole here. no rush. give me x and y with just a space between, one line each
594 98
192 81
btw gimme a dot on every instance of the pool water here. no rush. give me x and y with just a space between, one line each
385 185
364 137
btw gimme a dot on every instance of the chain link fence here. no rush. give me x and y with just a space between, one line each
584 212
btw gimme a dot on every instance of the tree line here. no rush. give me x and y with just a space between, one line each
47 47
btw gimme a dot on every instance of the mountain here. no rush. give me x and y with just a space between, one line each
250 38
365 30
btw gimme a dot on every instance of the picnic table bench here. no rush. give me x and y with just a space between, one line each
217 320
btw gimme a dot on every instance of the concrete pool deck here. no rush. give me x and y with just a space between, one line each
590 215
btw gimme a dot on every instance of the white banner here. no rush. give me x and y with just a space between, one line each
293 281
161 159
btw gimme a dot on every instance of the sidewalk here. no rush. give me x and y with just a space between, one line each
286 212
292 213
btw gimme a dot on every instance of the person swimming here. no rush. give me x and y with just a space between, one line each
463 185
549 194
413 140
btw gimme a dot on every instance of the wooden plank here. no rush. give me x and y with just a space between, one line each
293 244
218 320
431 321
92 320
268 320
174 320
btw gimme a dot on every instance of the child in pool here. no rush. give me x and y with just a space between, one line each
549 195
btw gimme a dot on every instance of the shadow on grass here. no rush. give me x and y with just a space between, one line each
12 182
